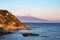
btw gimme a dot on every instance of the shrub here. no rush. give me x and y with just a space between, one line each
1 30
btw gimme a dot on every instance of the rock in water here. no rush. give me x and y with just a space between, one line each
30 34
8 21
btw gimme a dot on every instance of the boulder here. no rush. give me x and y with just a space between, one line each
30 34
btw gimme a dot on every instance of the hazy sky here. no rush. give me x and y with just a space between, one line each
45 9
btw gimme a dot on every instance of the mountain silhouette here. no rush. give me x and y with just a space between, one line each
30 19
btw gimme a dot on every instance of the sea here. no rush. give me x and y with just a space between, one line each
46 31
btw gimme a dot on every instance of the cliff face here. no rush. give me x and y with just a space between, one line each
9 21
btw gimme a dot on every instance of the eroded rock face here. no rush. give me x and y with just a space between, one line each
10 22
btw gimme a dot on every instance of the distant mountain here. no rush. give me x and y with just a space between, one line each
54 21
31 19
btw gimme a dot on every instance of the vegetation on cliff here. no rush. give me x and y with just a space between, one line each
9 21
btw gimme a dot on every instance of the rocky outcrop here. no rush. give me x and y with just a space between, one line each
30 34
8 21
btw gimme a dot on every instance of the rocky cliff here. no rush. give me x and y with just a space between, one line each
8 21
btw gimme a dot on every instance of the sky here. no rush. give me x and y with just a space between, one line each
45 9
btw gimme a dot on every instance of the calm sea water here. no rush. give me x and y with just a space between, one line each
47 31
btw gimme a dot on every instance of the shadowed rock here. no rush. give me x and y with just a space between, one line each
30 34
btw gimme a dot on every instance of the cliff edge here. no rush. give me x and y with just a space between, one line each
8 21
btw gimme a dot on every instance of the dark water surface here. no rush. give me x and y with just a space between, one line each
47 31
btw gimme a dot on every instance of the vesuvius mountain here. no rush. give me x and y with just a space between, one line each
31 19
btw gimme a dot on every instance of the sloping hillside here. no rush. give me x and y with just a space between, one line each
31 19
8 21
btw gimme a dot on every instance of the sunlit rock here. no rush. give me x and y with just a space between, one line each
8 21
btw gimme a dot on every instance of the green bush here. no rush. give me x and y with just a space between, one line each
1 30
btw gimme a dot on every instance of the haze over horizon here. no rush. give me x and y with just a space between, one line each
45 9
